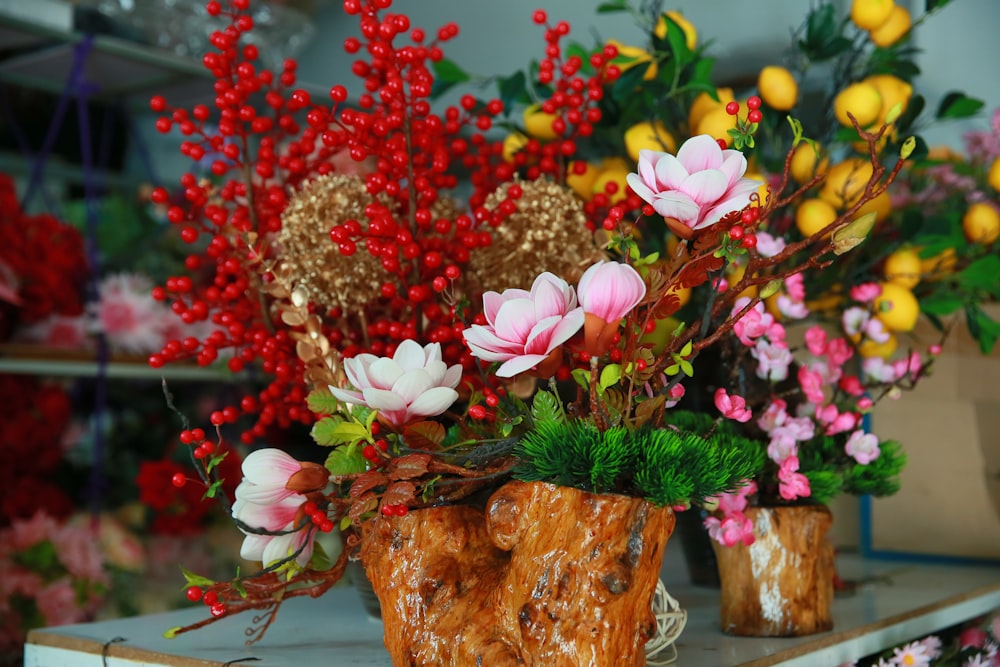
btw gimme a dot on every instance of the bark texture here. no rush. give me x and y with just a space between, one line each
782 584
547 576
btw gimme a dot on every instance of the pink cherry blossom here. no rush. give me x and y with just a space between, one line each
816 340
792 484
792 309
851 384
862 447
732 407
838 352
834 420
698 187
769 245
908 367
607 291
412 384
878 370
526 330
774 415
730 529
812 384
773 360
674 395
866 292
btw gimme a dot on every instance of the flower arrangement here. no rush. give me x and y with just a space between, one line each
631 336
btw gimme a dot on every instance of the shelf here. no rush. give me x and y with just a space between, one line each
905 601
36 360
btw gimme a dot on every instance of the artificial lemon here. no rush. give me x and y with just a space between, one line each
846 181
704 103
862 100
690 34
717 123
653 136
896 307
880 205
981 223
903 268
870 14
777 87
895 27
661 334
615 175
634 57
813 215
893 91
804 162
762 189
583 184
940 265
538 124
512 143
993 178
869 348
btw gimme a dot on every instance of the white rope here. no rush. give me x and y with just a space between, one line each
670 622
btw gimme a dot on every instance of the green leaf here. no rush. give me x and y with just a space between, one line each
582 377
678 42
610 375
192 579
609 7
212 489
957 105
906 150
686 367
322 402
982 274
446 71
513 89
346 460
931 5
545 407
941 305
215 461
983 328
847 238
331 431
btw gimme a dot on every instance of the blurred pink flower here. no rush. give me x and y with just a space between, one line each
792 484
607 292
128 315
61 331
862 447
730 529
773 360
698 187
78 548
732 407
412 384
526 330
812 384
57 603
866 292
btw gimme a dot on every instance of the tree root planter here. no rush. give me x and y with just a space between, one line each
782 584
546 575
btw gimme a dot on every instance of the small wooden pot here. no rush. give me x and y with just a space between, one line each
547 575
782 584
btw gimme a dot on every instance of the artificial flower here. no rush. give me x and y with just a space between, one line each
607 291
270 475
698 186
862 447
412 384
732 407
792 484
283 530
526 330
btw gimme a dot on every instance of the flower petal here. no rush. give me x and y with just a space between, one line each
410 355
677 205
383 373
383 400
515 319
269 467
700 152
705 187
412 384
432 402
642 191
347 396
520 364
670 173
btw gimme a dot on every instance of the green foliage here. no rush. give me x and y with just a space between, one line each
824 484
665 466
546 407
345 460
322 402
881 476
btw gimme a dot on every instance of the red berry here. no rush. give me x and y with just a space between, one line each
178 480
755 116
753 102
193 593
736 233
477 412
722 143
749 241
733 108
539 16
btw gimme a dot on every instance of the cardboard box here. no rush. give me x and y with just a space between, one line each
949 426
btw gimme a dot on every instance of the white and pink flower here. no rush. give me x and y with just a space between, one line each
526 330
412 384
862 447
697 187
608 291
732 407
792 484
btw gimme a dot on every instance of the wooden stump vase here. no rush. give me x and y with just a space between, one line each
547 576
782 584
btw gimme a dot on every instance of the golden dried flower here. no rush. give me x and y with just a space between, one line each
313 260
547 232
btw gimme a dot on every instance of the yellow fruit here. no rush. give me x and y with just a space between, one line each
938 266
615 163
944 154
903 268
616 176
538 124
862 100
704 103
890 32
716 123
994 176
813 215
583 184
636 57
896 307
804 159
777 87
869 348
893 91
981 223
880 205
661 335
512 143
846 181
648 135
690 34
869 14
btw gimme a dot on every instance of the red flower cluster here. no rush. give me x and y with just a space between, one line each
42 263
181 510
38 414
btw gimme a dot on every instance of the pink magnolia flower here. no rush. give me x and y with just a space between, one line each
698 187
792 484
412 384
526 330
862 447
607 291
270 476
732 407
284 517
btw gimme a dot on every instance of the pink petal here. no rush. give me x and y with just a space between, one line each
734 166
382 400
432 402
487 346
706 186
412 384
515 319
677 205
410 355
541 334
347 396
549 299
520 364
647 167
270 467
383 373
670 173
698 153
356 369
452 377
253 547
641 190
492 302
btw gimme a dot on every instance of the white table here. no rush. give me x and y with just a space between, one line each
909 601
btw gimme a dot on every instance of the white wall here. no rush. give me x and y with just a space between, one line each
960 45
